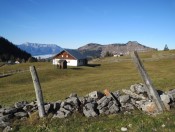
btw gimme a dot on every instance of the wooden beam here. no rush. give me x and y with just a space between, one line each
152 93
38 91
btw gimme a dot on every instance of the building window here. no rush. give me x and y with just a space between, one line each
62 56
66 56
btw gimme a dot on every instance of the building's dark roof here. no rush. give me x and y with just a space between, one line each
75 54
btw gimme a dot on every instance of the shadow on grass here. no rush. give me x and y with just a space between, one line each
93 65
75 68
1 76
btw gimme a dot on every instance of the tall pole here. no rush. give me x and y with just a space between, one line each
38 91
151 90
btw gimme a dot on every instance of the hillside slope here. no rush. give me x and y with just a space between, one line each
9 51
98 50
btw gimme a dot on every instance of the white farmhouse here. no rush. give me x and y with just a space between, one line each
73 58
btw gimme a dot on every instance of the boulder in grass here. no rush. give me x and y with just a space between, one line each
73 95
96 95
3 124
124 98
7 129
138 88
166 100
89 110
149 107
10 110
48 107
59 114
21 104
66 112
21 114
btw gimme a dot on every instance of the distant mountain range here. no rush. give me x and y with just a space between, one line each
90 50
98 50
40 49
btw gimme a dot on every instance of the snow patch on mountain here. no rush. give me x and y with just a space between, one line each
36 49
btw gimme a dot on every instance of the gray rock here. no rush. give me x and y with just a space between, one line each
135 95
74 101
21 114
116 94
149 107
72 95
89 113
96 95
47 107
3 123
114 109
124 129
10 110
62 104
138 88
6 117
33 103
101 100
106 101
28 108
110 104
103 110
66 112
82 100
7 129
107 112
56 106
124 98
2 110
89 110
68 107
59 114
1 114
89 100
166 100
21 104
128 107
89 106
171 93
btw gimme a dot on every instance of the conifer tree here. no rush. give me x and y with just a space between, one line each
166 48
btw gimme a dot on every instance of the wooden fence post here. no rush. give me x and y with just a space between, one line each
151 90
38 91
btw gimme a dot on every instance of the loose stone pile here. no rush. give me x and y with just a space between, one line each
93 104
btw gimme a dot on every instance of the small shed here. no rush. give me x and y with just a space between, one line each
62 64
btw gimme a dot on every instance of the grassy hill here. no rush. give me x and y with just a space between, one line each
113 74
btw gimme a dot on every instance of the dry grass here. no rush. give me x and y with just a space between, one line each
113 74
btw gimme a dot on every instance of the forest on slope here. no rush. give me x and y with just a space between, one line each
9 51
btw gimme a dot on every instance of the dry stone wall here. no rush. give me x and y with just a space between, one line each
91 105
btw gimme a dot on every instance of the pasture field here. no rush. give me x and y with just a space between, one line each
111 73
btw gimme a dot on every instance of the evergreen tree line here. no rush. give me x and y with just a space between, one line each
9 51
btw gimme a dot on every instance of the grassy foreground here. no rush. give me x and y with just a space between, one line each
113 74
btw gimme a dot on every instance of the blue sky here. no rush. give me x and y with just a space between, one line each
74 23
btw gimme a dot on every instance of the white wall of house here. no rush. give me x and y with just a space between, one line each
69 62
72 62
